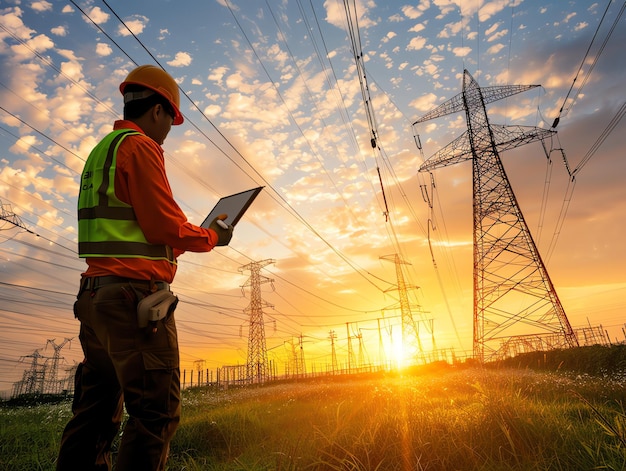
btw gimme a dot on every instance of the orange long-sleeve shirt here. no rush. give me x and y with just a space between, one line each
141 181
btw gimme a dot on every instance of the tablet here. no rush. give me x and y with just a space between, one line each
234 206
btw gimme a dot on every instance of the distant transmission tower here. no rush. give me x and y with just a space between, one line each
410 331
513 294
53 384
257 366
32 382
332 336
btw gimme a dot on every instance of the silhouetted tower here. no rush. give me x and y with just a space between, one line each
411 341
301 363
351 357
257 366
382 357
332 336
297 357
32 382
53 384
513 294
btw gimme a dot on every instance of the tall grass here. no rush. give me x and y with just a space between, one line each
448 419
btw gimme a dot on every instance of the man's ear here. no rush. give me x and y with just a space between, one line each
155 111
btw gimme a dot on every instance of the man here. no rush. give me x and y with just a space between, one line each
130 231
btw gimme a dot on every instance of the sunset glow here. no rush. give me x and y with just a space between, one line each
271 97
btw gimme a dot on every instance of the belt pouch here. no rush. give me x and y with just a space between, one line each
155 307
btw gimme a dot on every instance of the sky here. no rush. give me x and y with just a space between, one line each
273 97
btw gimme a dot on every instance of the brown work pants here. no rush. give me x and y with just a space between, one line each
124 365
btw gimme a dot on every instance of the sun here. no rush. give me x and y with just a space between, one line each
397 352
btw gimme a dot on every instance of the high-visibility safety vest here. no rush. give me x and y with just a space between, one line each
107 227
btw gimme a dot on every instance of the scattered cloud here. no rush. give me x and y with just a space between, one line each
98 16
41 6
417 43
181 59
135 25
103 49
59 31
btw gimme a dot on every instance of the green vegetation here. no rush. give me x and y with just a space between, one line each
443 418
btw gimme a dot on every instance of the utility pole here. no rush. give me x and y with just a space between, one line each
511 283
257 366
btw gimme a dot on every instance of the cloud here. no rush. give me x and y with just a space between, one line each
580 26
181 59
103 49
12 21
413 13
217 74
38 44
569 17
461 51
59 31
451 30
498 35
491 8
98 16
390 35
137 24
336 15
417 43
417 28
212 110
495 49
41 6
163 33
424 103
447 6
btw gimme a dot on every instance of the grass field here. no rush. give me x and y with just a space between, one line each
435 419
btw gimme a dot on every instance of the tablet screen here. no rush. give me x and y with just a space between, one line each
234 205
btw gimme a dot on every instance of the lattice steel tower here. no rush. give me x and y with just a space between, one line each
257 366
410 330
513 294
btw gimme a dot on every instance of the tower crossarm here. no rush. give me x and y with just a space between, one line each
505 138
489 95
453 105
459 150
509 137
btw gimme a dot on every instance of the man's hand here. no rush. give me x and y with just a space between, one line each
223 235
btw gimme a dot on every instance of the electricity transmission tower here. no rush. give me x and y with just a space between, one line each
332 336
513 294
54 385
32 382
257 366
410 331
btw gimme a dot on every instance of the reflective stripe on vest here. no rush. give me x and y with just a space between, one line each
107 227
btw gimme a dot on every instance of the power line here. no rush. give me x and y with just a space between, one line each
593 64
284 202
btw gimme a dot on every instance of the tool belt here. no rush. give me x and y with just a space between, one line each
151 307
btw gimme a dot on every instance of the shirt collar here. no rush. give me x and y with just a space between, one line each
126 124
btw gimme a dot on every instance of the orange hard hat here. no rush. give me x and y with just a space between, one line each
155 78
